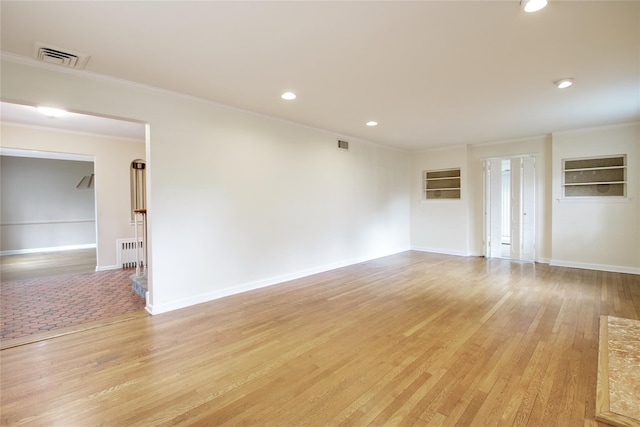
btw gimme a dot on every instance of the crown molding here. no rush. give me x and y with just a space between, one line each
72 132
597 128
38 154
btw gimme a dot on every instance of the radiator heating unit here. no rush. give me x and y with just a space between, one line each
126 250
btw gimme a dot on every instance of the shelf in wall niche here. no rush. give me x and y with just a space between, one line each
441 184
592 200
595 177
594 183
430 201
608 189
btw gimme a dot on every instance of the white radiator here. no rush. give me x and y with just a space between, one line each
126 250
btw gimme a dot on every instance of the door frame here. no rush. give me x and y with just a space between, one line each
486 206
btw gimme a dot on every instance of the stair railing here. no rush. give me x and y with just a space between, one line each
141 260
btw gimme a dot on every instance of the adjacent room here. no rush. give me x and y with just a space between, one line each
60 268
351 213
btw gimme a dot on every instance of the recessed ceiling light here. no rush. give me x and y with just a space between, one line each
564 83
372 123
288 96
51 112
533 5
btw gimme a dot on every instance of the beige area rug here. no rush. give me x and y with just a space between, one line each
618 390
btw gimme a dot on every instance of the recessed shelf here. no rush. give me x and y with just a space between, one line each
594 183
441 184
595 177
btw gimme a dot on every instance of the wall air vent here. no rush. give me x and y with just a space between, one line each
55 55
343 144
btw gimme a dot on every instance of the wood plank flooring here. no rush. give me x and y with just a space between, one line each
410 339
47 264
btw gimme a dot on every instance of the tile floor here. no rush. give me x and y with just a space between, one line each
44 304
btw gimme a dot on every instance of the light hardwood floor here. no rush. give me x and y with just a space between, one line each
410 339
47 264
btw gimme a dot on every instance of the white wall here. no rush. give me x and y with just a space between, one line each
456 227
597 233
237 200
440 225
601 234
41 206
112 160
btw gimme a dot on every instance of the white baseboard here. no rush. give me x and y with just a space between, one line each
442 251
221 293
108 267
468 254
600 267
52 249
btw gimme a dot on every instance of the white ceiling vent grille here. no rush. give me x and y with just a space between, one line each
55 55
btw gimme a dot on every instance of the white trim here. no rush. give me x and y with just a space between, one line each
18 152
594 199
429 201
474 145
469 254
511 141
47 222
52 249
76 132
441 251
597 128
108 267
233 290
442 148
599 267
535 156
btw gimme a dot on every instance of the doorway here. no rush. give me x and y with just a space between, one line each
509 207
48 206
43 285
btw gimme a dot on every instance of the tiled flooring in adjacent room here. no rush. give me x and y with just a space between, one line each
33 306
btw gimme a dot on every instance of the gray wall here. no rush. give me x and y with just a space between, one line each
41 207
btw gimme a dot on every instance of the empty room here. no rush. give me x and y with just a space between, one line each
351 212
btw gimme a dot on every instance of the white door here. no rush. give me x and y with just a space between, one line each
528 203
493 211
521 208
515 207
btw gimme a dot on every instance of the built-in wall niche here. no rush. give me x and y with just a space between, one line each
595 176
441 184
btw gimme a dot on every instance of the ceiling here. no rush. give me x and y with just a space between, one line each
432 73
28 115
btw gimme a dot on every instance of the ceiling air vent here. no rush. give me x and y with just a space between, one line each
55 55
